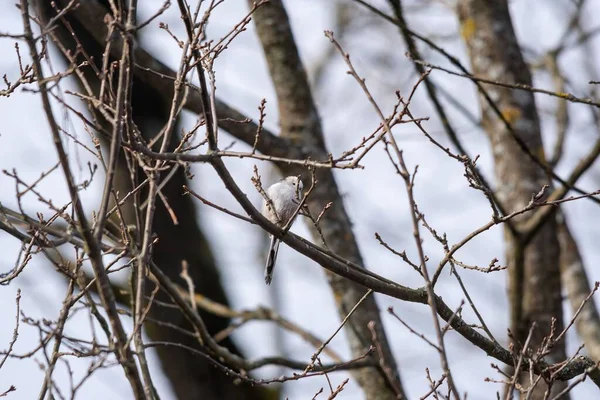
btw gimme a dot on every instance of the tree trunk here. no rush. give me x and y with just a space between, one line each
534 273
300 123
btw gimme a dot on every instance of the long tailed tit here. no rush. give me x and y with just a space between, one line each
285 197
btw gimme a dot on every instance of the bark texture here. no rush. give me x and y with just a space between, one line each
301 125
577 286
534 283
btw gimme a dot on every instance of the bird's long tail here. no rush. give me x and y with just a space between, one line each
271 257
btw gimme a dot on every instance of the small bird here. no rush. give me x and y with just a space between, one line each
284 196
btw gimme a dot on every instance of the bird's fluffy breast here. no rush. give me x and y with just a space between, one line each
284 201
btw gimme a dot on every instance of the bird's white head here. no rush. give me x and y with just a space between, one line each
296 182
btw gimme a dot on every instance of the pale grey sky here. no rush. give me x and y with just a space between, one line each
441 191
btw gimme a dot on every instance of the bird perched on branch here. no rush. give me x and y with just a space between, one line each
280 208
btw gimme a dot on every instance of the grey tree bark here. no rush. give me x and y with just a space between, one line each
534 271
301 125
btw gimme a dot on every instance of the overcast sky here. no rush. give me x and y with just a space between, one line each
374 197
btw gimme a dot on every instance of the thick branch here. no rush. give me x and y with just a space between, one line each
300 124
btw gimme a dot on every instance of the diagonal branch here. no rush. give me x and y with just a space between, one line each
541 163
301 125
